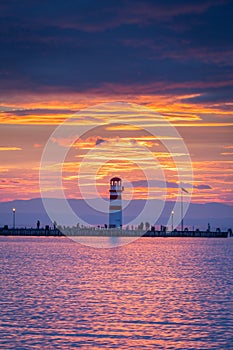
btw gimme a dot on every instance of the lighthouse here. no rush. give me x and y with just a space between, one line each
115 206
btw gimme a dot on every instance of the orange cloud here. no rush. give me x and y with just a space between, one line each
190 117
8 148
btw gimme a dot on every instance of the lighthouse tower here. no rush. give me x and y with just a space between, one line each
115 206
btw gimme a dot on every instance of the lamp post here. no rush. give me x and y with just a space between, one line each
13 210
182 211
172 219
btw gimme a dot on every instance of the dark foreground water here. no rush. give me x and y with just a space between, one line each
156 293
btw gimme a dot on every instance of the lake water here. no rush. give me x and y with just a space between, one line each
155 293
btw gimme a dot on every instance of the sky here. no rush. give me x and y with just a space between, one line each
172 57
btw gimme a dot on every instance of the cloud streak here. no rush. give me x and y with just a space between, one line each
8 148
167 184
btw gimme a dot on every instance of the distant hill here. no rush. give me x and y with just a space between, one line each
198 215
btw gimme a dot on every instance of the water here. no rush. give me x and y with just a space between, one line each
156 293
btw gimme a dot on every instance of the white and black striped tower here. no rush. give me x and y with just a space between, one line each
115 206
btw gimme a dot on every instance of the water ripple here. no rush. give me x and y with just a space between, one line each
151 294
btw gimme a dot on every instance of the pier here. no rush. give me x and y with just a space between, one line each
95 232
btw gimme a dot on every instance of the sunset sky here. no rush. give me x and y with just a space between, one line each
173 57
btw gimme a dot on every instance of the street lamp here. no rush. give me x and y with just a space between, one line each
172 219
13 210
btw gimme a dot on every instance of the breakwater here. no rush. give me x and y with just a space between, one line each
111 233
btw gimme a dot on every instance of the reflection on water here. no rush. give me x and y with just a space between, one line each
103 242
156 293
